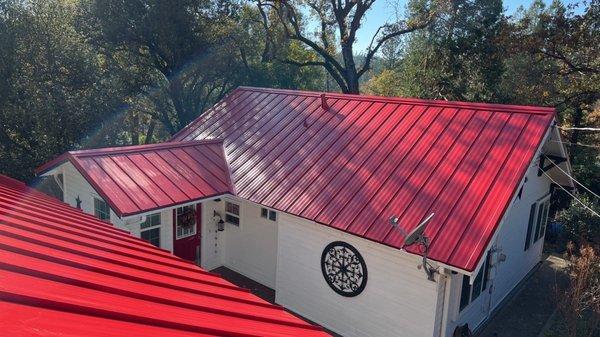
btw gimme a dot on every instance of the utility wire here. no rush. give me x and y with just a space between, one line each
579 129
569 193
577 144
575 180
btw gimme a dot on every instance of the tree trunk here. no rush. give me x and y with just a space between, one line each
351 75
576 122
353 86
182 116
150 132
135 124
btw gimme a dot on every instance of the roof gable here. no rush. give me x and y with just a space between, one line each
359 160
136 179
65 272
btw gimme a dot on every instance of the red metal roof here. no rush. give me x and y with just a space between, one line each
63 272
137 179
364 159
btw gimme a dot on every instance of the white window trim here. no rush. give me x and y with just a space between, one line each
539 203
93 203
151 227
269 211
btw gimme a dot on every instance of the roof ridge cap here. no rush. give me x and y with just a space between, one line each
499 107
142 148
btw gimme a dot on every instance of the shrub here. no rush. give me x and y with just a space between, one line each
581 226
579 303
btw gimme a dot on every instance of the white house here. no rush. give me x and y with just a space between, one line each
315 196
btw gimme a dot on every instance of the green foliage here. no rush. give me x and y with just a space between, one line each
54 90
89 73
556 50
543 55
582 226
108 72
332 40
456 57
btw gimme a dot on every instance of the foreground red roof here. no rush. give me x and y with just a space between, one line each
65 273
137 179
355 161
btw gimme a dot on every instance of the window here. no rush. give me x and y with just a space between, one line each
268 214
151 229
152 220
465 292
542 218
152 236
232 213
185 221
530 225
470 293
477 284
101 209
538 218
488 265
53 185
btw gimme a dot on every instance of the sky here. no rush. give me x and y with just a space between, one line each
385 11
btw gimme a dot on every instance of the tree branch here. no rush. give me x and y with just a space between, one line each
292 18
574 68
336 76
371 51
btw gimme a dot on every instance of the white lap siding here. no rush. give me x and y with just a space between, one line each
76 186
251 248
398 300
511 238
166 227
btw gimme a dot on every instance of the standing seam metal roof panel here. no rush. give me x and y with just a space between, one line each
57 280
348 167
138 179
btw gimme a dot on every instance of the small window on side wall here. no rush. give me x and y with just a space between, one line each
465 292
542 218
530 225
268 214
101 209
232 213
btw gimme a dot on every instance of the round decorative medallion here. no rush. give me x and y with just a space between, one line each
344 269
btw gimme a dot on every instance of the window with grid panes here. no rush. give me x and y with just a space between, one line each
185 221
150 229
101 209
232 213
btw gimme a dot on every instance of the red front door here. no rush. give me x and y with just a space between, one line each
187 224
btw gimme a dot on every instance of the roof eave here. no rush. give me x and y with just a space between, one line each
179 204
44 168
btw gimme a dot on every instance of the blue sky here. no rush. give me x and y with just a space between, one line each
385 11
